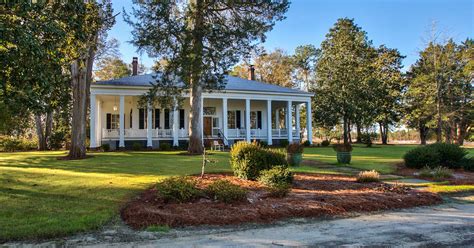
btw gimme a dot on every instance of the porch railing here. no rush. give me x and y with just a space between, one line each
141 133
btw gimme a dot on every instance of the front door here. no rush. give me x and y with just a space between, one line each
207 126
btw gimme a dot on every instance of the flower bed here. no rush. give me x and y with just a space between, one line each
311 195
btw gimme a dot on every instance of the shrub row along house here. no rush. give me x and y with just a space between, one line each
244 110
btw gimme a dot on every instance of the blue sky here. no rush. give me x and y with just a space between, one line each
398 24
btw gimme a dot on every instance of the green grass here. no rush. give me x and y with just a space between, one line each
379 158
450 189
157 228
42 197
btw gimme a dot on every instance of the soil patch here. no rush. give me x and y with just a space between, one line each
312 195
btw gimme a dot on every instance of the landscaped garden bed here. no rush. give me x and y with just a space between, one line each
311 195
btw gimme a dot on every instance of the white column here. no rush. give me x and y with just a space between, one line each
224 120
277 119
175 125
98 121
93 130
201 121
149 125
269 122
297 117
309 124
122 122
289 120
247 120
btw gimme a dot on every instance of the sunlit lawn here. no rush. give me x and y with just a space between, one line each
41 196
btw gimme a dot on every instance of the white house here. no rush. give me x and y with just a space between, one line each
244 110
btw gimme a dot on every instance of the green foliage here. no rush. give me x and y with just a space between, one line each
367 138
306 143
158 228
467 163
137 146
105 147
422 156
276 175
325 143
225 191
295 148
112 68
368 176
57 139
279 190
165 146
178 189
450 154
248 159
342 147
11 144
284 143
436 173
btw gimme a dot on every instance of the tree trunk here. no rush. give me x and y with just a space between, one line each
359 133
79 109
345 134
423 133
39 132
195 135
383 132
48 129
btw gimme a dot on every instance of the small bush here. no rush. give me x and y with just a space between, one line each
178 189
137 146
105 147
294 148
467 163
284 143
276 175
225 191
10 144
325 143
279 190
306 143
368 176
165 146
368 138
342 147
248 159
450 154
57 140
263 143
439 172
422 156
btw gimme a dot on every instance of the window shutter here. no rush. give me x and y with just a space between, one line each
259 119
141 118
109 121
157 118
181 118
237 119
167 119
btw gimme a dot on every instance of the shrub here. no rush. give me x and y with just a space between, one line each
10 144
279 190
263 143
325 143
105 147
57 140
275 176
178 189
165 146
284 143
450 154
367 138
306 143
248 159
368 176
136 146
467 163
439 172
421 156
225 191
342 147
295 148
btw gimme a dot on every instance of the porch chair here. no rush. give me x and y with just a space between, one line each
216 146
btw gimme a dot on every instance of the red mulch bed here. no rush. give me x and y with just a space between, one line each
312 195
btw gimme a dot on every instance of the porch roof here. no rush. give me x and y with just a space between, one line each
232 84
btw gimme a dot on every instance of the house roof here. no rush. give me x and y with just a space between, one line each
232 83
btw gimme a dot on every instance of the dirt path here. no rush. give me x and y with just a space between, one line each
449 224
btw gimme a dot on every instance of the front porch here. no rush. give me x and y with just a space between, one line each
119 118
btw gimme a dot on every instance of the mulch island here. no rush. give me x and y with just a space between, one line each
311 195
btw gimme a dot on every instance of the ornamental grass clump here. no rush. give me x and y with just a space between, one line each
178 189
436 173
225 191
368 176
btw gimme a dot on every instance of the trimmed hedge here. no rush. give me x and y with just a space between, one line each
276 176
225 191
447 155
10 144
249 159
178 189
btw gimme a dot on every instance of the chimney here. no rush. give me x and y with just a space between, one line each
135 66
251 72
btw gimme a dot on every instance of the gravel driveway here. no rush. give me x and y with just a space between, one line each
444 225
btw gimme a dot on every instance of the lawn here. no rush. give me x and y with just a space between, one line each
41 196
